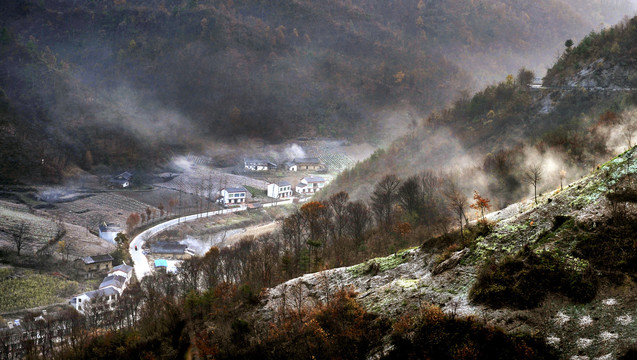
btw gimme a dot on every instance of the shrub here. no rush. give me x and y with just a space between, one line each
523 280
432 334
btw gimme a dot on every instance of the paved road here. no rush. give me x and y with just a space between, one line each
142 267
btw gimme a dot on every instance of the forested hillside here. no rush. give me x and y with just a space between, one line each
584 114
110 82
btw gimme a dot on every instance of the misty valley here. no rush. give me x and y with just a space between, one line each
338 179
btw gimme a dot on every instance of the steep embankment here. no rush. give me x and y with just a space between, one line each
564 268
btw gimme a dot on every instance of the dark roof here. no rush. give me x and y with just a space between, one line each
125 268
97 259
124 176
119 181
101 292
164 247
236 189
283 183
314 179
307 161
255 161
113 280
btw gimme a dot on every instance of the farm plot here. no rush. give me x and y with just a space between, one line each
29 290
336 162
90 211
203 181
38 230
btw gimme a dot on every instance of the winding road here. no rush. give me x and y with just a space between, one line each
142 267
140 261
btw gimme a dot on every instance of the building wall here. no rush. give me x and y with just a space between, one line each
109 236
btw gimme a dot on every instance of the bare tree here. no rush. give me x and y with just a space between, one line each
20 236
383 199
629 128
457 202
359 219
532 176
562 177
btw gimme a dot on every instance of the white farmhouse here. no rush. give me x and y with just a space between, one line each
233 195
310 185
300 164
280 190
258 165
122 180
109 231
109 295
125 271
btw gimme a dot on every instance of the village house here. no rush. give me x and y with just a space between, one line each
108 232
310 185
161 264
111 287
173 249
96 264
109 295
123 270
233 195
117 282
258 165
122 180
309 164
280 190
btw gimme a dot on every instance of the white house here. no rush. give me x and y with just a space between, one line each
125 271
122 180
258 165
109 231
116 282
310 185
300 164
233 195
109 295
280 190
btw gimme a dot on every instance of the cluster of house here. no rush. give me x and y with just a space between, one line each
297 164
280 190
111 287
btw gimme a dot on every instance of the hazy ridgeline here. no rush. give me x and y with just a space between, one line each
111 82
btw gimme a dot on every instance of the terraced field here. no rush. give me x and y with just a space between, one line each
90 211
39 230
28 289
336 162
203 180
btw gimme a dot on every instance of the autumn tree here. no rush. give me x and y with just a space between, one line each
161 209
132 221
532 176
480 204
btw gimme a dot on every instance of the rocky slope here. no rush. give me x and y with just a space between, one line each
602 328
